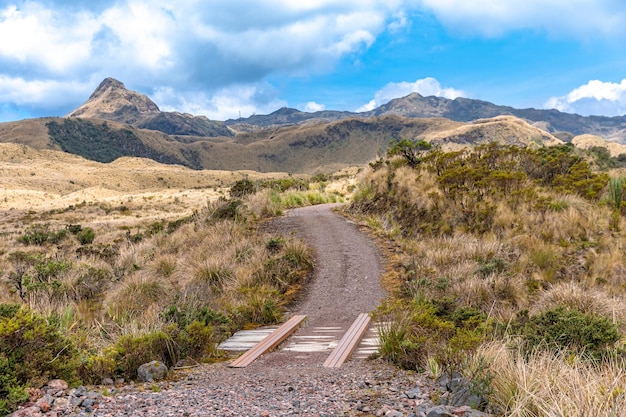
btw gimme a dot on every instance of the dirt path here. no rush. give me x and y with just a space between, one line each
345 282
284 383
347 274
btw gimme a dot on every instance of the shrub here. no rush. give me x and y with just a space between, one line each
565 328
39 234
130 351
86 236
242 188
31 353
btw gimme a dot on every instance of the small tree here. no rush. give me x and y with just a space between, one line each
411 151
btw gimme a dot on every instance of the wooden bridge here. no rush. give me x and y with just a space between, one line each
323 339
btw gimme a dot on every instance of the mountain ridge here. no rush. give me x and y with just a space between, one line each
460 109
116 122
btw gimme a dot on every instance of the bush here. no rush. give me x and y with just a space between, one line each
242 188
39 234
565 328
131 352
31 353
86 236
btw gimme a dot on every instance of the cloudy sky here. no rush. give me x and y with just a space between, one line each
225 58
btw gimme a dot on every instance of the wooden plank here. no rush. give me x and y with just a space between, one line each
348 342
269 343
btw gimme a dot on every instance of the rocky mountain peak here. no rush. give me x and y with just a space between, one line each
113 101
107 84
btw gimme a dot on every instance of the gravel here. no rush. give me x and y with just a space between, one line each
359 388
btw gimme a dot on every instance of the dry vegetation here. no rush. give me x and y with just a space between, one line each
510 269
107 266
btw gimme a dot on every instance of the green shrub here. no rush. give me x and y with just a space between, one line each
39 234
274 244
31 353
565 328
86 236
198 339
432 330
242 188
130 352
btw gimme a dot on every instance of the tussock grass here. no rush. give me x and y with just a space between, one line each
511 271
549 384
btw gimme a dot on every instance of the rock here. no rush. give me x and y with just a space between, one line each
62 403
393 413
32 411
56 385
449 411
440 411
44 406
107 381
153 371
88 404
80 391
45 402
413 393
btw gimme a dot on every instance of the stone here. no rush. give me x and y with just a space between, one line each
152 371
107 381
57 385
393 413
62 403
87 405
440 411
413 393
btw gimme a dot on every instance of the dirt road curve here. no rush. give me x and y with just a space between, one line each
347 274
285 383
345 282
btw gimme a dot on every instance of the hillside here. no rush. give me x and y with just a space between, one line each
117 122
303 148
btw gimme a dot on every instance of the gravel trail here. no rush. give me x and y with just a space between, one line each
345 283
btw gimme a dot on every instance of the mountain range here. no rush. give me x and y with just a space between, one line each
117 122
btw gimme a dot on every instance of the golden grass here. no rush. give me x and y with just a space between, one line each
549 384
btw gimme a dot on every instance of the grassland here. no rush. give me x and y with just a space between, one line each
508 267
106 266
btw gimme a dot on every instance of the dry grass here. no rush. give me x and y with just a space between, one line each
548 384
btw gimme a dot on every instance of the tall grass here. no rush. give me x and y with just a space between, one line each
493 244
547 384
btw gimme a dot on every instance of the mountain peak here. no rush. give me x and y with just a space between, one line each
106 84
113 101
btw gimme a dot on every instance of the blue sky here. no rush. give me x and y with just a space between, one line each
222 58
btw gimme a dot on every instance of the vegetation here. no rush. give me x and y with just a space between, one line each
99 142
509 269
87 302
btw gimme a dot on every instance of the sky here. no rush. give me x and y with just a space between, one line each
230 58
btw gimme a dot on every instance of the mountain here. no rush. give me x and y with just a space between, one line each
113 101
460 109
116 122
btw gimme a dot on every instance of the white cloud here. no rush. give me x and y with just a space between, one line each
186 46
426 87
227 103
580 18
312 107
596 97
40 93
34 35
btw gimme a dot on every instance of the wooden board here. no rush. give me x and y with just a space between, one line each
349 341
269 343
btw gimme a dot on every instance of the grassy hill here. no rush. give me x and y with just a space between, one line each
507 267
305 148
